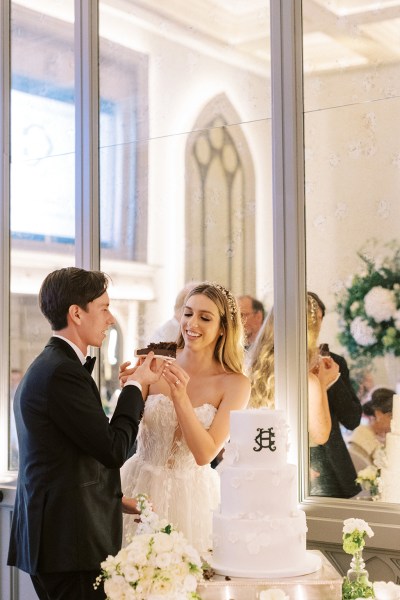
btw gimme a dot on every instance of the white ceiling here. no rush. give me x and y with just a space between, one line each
337 33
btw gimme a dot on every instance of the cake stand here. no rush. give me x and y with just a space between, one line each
311 563
322 584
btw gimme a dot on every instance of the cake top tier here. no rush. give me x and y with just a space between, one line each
258 438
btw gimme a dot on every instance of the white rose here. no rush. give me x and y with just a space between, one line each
350 525
380 304
368 473
190 583
161 587
115 587
131 573
162 543
163 560
396 318
362 333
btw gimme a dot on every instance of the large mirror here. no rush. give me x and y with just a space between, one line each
185 164
352 173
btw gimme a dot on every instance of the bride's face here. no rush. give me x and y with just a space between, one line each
200 322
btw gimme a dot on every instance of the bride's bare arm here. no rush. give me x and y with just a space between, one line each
319 418
204 444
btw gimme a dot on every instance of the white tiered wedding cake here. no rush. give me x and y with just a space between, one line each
258 530
390 474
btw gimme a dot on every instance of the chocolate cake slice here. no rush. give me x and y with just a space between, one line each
324 350
162 349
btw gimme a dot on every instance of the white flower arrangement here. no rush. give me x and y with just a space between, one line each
354 533
369 306
369 479
158 564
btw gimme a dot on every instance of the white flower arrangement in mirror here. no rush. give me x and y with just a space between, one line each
369 306
158 564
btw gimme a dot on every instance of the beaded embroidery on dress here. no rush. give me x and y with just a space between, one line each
164 468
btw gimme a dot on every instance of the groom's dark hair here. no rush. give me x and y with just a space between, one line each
68 286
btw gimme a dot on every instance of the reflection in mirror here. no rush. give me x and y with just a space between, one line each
185 156
185 161
352 167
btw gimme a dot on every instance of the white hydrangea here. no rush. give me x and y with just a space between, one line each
351 525
159 564
362 332
380 304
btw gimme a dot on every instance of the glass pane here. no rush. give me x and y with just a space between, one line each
184 158
353 214
42 212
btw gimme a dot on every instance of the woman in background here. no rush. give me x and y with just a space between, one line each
322 372
365 440
186 416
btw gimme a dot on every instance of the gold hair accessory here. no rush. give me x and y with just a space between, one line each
229 298
313 306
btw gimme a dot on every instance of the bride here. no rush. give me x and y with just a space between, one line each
186 416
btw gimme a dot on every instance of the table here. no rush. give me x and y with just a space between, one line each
324 584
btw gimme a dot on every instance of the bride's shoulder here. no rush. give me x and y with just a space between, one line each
236 381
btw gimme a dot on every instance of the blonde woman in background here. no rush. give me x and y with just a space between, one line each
322 373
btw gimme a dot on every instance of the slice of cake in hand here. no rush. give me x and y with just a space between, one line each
160 349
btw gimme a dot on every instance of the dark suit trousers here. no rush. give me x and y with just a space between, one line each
67 586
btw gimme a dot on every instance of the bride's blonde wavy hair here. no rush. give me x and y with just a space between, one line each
262 360
229 348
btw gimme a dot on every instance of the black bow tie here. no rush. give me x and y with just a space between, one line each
89 363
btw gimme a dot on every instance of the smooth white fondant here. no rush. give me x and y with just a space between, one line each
395 422
261 545
258 438
258 530
272 491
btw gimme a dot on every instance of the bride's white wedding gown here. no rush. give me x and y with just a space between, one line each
164 468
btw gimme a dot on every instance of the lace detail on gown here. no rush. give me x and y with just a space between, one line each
164 468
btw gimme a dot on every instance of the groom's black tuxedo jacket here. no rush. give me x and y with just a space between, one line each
67 514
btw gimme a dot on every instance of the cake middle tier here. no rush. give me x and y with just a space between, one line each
257 492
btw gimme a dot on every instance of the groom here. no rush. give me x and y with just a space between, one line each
68 511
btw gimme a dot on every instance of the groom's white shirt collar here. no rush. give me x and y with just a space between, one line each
80 354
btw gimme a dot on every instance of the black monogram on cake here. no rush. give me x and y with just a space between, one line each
265 440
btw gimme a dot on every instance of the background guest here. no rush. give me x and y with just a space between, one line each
365 440
332 461
169 331
262 377
252 312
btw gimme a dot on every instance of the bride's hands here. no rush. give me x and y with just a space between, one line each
146 371
177 379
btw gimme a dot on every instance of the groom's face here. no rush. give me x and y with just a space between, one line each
95 321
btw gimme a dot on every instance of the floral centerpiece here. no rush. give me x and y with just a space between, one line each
369 307
356 583
158 564
369 479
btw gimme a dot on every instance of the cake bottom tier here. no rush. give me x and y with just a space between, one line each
390 486
262 547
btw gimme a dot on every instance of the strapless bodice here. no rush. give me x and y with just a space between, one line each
160 441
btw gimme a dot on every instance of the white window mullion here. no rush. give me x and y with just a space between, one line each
5 230
87 229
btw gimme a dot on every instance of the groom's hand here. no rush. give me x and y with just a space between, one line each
129 506
146 372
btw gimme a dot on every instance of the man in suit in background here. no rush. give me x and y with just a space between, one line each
68 510
332 461
252 312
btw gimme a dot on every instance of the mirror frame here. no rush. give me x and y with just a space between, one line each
290 288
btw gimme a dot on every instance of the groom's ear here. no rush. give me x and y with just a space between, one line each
74 314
